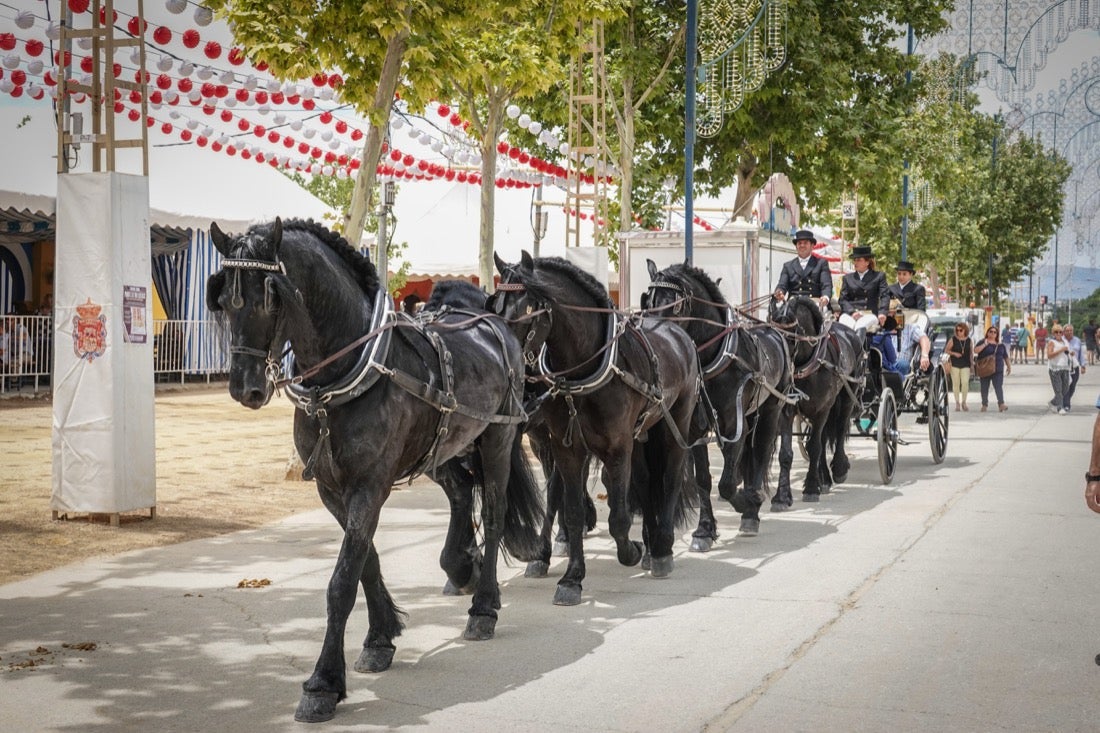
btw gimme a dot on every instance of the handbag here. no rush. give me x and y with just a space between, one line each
986 366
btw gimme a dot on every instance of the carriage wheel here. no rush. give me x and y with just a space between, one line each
937 414
800 429
887 436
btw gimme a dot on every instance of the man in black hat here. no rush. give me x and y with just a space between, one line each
863 298
805 274
909 293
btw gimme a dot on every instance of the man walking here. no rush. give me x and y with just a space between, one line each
1076 364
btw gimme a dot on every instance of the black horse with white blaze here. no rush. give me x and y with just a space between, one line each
380 397
747 375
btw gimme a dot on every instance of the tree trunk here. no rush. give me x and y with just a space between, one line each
494 120
372 150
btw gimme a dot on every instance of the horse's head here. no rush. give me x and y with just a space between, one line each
528 313
800 318
668 294
246 295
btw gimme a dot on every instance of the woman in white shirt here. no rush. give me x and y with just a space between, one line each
1058 368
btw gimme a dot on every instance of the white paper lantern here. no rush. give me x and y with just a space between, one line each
462 156
227 78
223 140
307 91
535 127
194 96
512 110
164 63
186 68
279 119
334 145
524 120
230 102
203 16
397 123
436 146
274 85
176 6
308 133
205 73
208 132
11 61
174 114
326 135
171 97
6 85
263 109
290 88
135 57
192 124
24 19
564 148
250 83
326 93
475 159
34 68
326 170
341 173
53 30
414 133
84 43
296 125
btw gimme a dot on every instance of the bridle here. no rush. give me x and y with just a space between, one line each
677 305
538 331
272 366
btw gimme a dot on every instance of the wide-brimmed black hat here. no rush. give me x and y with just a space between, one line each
907 266
861 252
805 234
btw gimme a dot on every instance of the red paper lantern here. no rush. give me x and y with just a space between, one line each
135 97
86 64
293 99
454 119
191 38
500 183
7 41
231 150
216 146
408 160
68 57
450 174
134 115
221 91
335 80
303 148
524 158
277 98
241 95
212 49
207 89
16 92
259 130
226 116
185 135
462 177
78 6
421 164
184 85
261 97
166 128
443 110
236 56
135 26
355 164
243 125
308 104
341 127
319 80
34 47
19 77
316 153
118 107
201 141
261 66
273 137
357 134
162 35
208 109
395 155
288 142
330 157
326 117
246 154
514 153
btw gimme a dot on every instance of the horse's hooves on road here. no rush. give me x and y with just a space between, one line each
631 555
646 561
826 488
480 628
780 506
840 478
749 527
450 589
701 544
567 595
661 567
561 549
374 659
316 707
536 569
811 497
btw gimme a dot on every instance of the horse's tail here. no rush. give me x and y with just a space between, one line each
525 510
646 490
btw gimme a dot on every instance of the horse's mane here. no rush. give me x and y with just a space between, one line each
709 286
807 305
589 284
365 273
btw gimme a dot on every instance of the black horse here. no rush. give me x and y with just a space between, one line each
379 397
747 375
608 383
829 364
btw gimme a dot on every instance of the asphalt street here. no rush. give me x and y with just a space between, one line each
962 597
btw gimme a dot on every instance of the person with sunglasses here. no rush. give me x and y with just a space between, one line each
961 352
991 345
1058 367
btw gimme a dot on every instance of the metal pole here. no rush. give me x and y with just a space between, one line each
689 128
905 165
382 254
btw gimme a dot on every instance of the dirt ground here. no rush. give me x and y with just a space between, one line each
220 468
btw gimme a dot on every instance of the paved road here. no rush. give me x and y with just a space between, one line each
964 597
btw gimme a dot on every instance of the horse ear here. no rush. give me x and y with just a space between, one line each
220 240
652 267
501 264
526 260
276 235
717 282
214 285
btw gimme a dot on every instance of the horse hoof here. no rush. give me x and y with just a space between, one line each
661 567
374 659
811 497
826 488
480 628
701 544
646 561
316 707
780 506
536 569
450 589
561 549
567 595
631 554
749 527
839 478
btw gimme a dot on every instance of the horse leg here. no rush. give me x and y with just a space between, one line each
618 465
666 479
570 464
783 499
495 451
758 458
811 486
702 539
328 685
459 558
840 465
539 567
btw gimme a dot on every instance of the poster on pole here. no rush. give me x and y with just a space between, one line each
133 313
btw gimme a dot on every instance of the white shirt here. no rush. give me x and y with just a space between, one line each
803 262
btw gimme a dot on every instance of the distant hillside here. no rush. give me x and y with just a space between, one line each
1075 282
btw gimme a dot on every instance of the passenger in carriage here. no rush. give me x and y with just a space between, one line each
863 293
805 274
909 293
913 336
886 338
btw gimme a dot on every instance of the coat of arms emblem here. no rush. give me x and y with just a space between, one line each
89 331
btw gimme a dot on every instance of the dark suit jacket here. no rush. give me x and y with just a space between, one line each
912 295
814 281
868 295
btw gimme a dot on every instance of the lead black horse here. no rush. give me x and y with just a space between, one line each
620 390
747 375
379 397
829 366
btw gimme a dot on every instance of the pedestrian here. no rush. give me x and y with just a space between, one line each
1041 344
1058 368
1091 346
1076 363
863 298
991 346
1009 334
1092 478
805 274
1022 339
960 349
910 294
